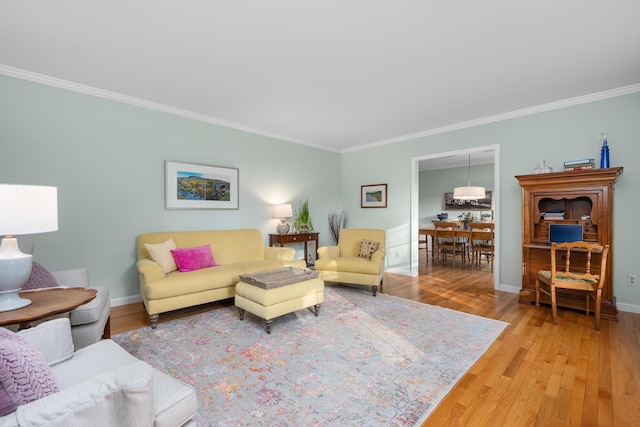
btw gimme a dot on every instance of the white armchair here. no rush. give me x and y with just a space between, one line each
350 262
101 385
90 322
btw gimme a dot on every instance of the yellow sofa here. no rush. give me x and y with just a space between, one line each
342 263
240 251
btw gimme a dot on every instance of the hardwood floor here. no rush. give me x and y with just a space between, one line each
535 374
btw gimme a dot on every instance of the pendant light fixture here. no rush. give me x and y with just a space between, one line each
468 192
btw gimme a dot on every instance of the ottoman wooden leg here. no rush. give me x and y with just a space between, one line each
316 309
267 325
241 312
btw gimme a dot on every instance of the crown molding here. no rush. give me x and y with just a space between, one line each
138 102
598 96
118 97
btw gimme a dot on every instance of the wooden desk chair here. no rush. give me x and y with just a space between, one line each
482 241
447 242
580 279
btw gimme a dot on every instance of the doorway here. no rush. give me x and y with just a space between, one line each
454 158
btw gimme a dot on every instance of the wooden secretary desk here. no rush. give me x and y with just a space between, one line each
585 197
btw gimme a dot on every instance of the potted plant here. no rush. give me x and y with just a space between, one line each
466 217
303 222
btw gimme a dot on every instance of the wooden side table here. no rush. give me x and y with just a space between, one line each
46 302
282 239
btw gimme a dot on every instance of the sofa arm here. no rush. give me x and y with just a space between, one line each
121 396
328 252
150 270
52 338
279 254
72 278
378 256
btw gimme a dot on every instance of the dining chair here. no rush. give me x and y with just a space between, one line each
447 242
576 277
482 242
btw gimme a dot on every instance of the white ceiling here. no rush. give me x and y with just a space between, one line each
339 75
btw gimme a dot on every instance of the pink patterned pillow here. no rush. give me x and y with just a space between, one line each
24 373
40 278
189 259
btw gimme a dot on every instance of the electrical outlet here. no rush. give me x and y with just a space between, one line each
631 279
397 254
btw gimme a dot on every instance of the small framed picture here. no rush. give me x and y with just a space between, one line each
373 196
194 186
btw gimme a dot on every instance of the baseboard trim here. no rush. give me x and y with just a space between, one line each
133 299
630 308
509 288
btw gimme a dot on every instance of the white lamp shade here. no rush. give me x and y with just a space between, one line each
282 211
468 193
28 209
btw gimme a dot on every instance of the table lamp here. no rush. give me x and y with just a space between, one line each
283 212
24 209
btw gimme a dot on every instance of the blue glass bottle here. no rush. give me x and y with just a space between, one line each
604 154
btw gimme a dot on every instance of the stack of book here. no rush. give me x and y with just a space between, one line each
576 165
552 214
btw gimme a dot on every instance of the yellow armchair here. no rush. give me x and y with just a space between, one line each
343 263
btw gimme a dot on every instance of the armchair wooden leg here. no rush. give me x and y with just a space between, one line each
106 333
153 318
598 301
537 293
374 290
554 308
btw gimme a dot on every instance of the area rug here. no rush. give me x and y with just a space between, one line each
365 361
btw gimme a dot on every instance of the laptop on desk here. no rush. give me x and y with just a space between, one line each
559 233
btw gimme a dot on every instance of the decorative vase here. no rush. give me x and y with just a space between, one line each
604 153
304 228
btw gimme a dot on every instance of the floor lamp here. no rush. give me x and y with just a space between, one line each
24 209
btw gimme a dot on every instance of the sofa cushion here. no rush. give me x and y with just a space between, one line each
161 253
196 258
40 278
52 339
179 283
348 265
24 373
172 399
122 396
367 248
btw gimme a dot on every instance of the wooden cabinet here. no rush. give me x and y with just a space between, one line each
281 239
585 197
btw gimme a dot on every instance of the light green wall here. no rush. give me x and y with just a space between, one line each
434 183
107 160
568 133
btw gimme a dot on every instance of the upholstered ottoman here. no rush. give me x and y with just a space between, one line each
269 299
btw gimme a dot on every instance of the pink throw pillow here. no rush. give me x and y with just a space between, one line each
39 278
190 259
24 373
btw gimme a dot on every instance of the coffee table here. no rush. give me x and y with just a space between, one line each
46 302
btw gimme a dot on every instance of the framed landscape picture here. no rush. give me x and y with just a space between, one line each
485 204
373 196
195 186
